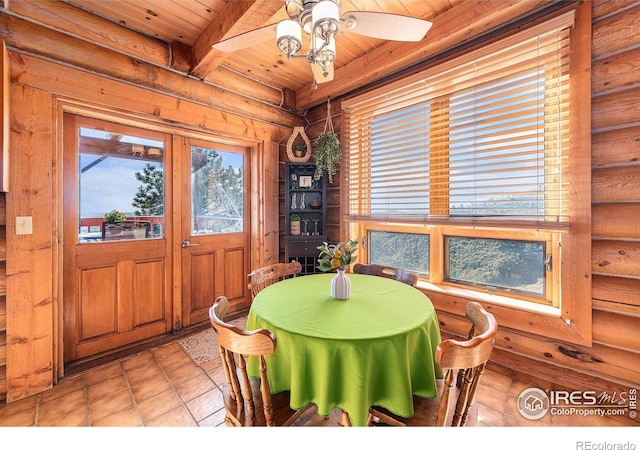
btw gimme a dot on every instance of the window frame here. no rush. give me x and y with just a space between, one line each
568 318
438 260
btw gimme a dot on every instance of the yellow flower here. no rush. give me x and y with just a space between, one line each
337 256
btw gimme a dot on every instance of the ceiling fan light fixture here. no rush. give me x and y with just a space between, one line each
289 37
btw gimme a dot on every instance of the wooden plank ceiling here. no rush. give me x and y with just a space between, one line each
195 25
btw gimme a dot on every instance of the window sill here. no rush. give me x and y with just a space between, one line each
512 315
487 297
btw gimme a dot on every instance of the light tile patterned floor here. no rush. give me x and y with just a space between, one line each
162 387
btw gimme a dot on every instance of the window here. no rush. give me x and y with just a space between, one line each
475 155
121 185
400 249
217 187
498 264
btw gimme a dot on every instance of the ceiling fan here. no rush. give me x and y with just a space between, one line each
321 20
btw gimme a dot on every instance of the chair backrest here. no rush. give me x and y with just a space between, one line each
379 270
468 358
235 345
265 276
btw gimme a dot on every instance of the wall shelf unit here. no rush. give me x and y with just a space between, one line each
305 198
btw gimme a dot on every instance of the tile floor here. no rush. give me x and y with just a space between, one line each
162 387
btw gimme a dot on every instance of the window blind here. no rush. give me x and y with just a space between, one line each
485 136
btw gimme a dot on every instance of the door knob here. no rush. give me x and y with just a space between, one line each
186 244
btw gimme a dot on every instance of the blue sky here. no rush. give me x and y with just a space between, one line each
111 184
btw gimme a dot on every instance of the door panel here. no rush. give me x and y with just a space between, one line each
215 228
98 302
121 296
117 275
148 287
234 282
202 283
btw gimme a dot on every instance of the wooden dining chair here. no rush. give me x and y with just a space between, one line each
464 362
379 270
265 276
248 400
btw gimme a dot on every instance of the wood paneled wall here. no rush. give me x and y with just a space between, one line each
615 353
74 75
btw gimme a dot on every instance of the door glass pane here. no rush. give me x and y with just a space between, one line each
121 186
217 191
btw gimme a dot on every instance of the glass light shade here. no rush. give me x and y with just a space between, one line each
289 36
326 19
325 9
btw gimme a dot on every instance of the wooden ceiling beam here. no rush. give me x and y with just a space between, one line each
234 19
30 38
70 19
453 27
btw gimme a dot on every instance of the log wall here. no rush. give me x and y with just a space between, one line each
52 70
615 156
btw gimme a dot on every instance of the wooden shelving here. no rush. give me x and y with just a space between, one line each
305 198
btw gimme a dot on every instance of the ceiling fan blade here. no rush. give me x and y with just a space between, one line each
392 27
248 39
319 73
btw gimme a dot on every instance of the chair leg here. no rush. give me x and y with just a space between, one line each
344 419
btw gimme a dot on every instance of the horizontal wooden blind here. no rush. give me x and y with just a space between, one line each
485 136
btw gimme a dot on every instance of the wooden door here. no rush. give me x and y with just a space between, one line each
215 227
116 282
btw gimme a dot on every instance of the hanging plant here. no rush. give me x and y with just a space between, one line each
327 153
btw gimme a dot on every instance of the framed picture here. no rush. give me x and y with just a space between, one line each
305 181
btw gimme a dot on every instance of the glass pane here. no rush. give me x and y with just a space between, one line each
407 250
506 265
121 186
217 191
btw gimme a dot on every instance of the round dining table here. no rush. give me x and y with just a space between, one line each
375 348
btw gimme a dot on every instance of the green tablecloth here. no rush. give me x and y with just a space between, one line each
376 348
